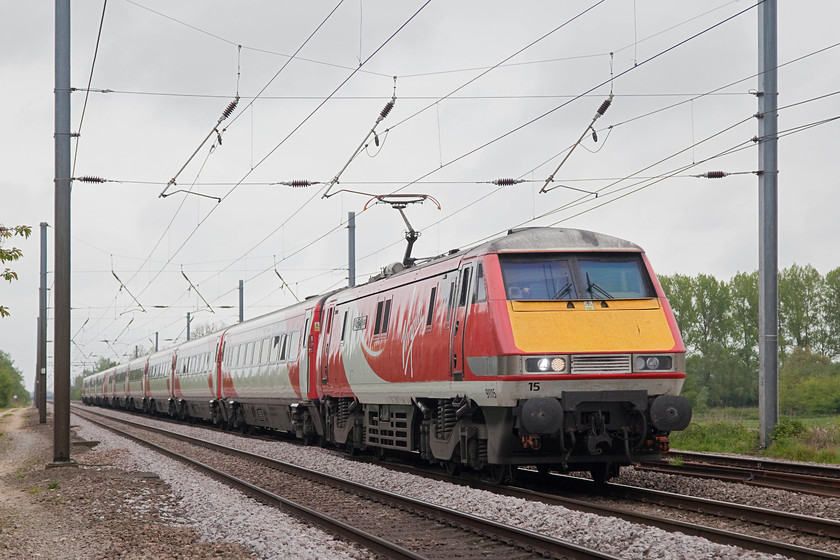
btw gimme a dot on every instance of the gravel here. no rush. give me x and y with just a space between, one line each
222 514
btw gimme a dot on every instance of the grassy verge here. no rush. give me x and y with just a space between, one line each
736 431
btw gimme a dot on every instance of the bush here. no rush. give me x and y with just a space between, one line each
717 437
787 429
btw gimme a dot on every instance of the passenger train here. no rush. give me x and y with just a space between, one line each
554 348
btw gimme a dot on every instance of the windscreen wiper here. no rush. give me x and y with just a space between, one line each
565 290
590 285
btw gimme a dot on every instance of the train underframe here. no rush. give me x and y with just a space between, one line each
594 431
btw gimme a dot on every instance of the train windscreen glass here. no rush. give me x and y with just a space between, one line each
575 277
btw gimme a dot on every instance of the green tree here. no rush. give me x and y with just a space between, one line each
101 365
12 390
831 314
13 254
679 289
743 311
712 301
800 298
809 383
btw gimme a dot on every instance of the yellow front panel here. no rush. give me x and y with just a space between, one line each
541 327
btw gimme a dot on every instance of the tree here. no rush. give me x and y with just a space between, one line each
12 390
809 384
204 329
13 254
743 289
800 289
679 289
831 313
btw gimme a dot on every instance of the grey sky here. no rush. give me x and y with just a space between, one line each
172 79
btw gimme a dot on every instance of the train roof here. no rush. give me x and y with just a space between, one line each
555 239
525 240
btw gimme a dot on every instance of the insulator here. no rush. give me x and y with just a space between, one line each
89 179
299 183
229 109
716 174
386 110
604 106
506 182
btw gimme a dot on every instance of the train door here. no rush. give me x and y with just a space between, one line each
216 374
459 322
307 342
327 319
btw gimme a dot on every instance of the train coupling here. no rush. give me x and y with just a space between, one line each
660 444
532 441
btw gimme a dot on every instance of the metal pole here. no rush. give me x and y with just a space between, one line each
351 249
41 396
156 341
38 366
61 337
241 301
188 325
768 265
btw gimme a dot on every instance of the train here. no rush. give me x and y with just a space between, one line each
552 348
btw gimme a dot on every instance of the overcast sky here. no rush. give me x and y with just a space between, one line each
473 105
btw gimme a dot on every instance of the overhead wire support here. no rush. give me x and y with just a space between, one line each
399 202
225 114
285 284
722 174
196 290
382 115
123 286
598 114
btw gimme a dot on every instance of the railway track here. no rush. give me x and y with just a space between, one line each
386 523
532 486
810 479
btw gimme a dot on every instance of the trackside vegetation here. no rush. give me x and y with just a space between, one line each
719 323
12 391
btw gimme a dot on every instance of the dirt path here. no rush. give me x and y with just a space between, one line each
89 511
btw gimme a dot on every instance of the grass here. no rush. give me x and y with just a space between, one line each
728 430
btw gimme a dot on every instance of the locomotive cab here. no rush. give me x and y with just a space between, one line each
592 362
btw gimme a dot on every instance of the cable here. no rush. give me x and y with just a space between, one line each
227 112
306 119
237 44
590 90
87 93
355 70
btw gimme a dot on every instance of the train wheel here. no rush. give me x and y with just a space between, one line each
452 468
500 474
544 472
603 472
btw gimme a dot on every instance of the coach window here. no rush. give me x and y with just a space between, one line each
284 348
465 287
275 348
378 325
431 313
480 293
344 326
266 349
293 345
386 315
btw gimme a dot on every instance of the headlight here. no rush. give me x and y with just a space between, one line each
545 364
653 363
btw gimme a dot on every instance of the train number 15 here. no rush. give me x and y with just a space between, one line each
533 385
